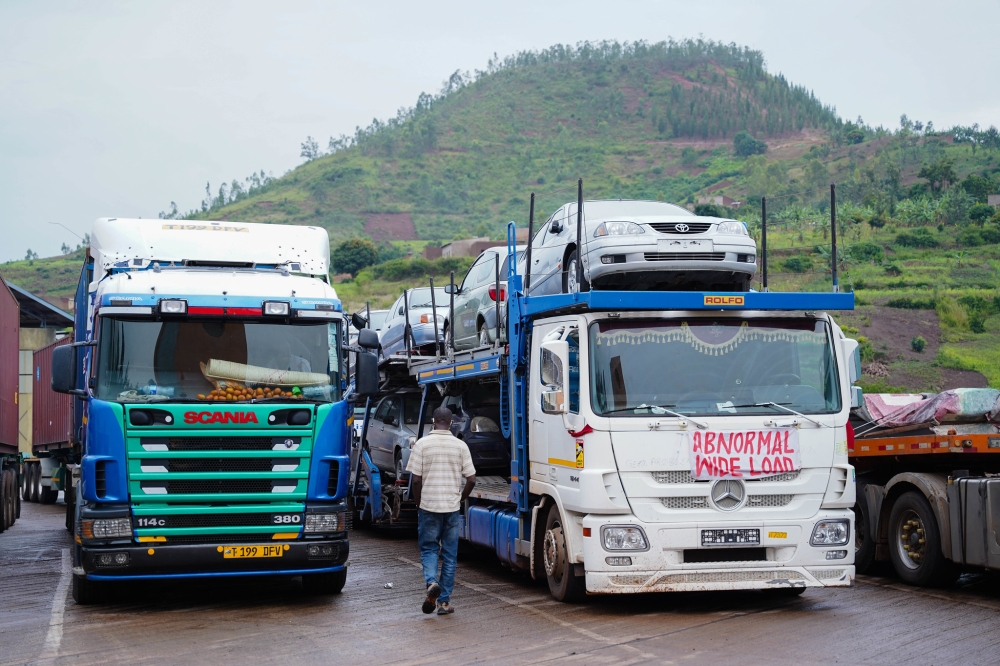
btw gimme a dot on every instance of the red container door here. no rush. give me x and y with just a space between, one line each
10 324
51 411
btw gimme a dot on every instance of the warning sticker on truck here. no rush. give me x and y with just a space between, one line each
729 454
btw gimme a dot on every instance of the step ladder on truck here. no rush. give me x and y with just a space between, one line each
665 441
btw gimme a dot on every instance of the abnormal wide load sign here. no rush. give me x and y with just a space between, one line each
736 454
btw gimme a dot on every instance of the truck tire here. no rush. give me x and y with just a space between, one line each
47 494
915 543
87 592
16 494
36 481
325 583
5 520
564 585
864 545
26 482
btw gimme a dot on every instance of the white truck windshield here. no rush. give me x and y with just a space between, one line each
712 366
215 360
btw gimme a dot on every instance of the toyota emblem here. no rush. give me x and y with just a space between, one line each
728 494
682 228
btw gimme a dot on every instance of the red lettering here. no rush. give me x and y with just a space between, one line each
724 444
190 417
709 443
789 467
765 465
787 450
734 466
702 465
753 472
737 442
696 446
763 439
748 444
250 418
204 417
723 465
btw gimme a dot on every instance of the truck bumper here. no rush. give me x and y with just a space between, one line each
784 558
152 561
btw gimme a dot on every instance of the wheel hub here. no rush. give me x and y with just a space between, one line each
912 540
552 552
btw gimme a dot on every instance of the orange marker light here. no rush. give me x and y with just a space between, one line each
586 531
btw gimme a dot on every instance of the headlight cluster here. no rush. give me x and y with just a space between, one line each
325 522
624 538
107 528
618 229
732 228
830 533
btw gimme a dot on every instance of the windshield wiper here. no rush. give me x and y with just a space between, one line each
701 425
786 409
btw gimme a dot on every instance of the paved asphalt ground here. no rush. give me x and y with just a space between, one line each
501 618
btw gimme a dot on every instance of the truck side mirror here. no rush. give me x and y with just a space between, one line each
554 363
857 397
366 375
64 370
358 322
368 339
852 355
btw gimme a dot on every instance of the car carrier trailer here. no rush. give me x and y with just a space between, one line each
738 486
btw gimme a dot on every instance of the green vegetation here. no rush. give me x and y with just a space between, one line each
674 121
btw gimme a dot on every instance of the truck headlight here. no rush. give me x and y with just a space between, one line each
830 533
618 229
732 228
107 528
325 522
275 308
625 537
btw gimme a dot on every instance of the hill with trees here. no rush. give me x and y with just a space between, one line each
689 122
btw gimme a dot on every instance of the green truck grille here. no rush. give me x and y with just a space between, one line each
198 486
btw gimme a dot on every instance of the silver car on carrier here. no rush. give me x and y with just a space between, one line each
640 246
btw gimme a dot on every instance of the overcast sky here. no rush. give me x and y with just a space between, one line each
119 108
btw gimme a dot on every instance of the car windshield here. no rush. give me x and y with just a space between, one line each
421 298
230 360
606 210
378 318
712 367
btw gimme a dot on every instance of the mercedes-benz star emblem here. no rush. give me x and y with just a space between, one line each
682 228
728 494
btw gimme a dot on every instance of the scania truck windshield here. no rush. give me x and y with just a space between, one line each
713 367
217 361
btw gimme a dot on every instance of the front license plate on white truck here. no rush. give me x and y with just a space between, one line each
731 537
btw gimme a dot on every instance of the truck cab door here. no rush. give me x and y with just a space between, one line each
552 452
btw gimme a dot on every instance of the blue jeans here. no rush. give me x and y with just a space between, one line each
437 533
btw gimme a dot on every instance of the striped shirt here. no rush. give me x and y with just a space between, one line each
443 462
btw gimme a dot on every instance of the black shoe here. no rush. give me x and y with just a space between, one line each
430 603
445 608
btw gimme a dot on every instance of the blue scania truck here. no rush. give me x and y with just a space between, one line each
211 406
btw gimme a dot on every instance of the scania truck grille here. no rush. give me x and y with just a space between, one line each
208 488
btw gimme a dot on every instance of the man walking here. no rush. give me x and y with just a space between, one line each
438 463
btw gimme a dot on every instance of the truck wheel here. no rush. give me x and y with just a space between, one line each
915 542
864 545
564 585
5 520
26 483
87 592
325 583
36 481
48 495
16 494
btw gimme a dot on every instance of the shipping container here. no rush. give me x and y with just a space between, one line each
51 412
10 323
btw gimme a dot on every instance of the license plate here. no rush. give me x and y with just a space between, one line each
730 537
245 552
674 245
